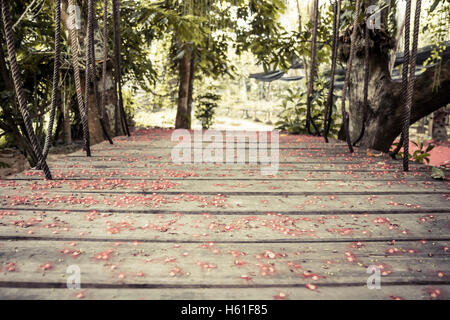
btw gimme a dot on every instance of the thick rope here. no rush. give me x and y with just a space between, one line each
117 67
105 57
312 73
88 63
345 116
93 68
56 66
411 83
405 73
366 82
404 89
19 89
117 112
330 98
81 107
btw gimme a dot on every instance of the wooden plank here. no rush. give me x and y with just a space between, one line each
215 186
144 265
173 227
410 292
318 203
165 159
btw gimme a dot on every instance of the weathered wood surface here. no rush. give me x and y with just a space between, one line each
141 227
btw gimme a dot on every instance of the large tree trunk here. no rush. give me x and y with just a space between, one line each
110 102
183 120
383 123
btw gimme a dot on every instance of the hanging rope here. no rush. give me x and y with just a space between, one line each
105 58
88 63
57 63
404 89
410 89
19 89
81 107
93 68
405 72
366 79
117 68
330 98
312 73
345 116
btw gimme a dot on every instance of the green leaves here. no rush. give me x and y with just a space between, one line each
420 155
293 116
263 35
206 108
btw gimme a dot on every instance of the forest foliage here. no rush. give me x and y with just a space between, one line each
219 33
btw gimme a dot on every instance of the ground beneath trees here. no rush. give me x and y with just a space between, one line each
440 155
140 227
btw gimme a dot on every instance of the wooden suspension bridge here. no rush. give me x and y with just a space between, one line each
138 226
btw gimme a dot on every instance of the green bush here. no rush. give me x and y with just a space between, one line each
206 108
421 155
293 116
129 104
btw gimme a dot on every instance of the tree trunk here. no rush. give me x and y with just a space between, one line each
183 120
439 127
383 123
110 102
191 86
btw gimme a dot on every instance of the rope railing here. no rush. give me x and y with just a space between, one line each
330 97
19 89
117 66
81 106
93 68
312 73
410 87
56 66
345 116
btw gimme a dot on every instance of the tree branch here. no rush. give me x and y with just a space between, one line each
428 99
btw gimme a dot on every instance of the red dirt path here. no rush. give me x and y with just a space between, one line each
440 155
